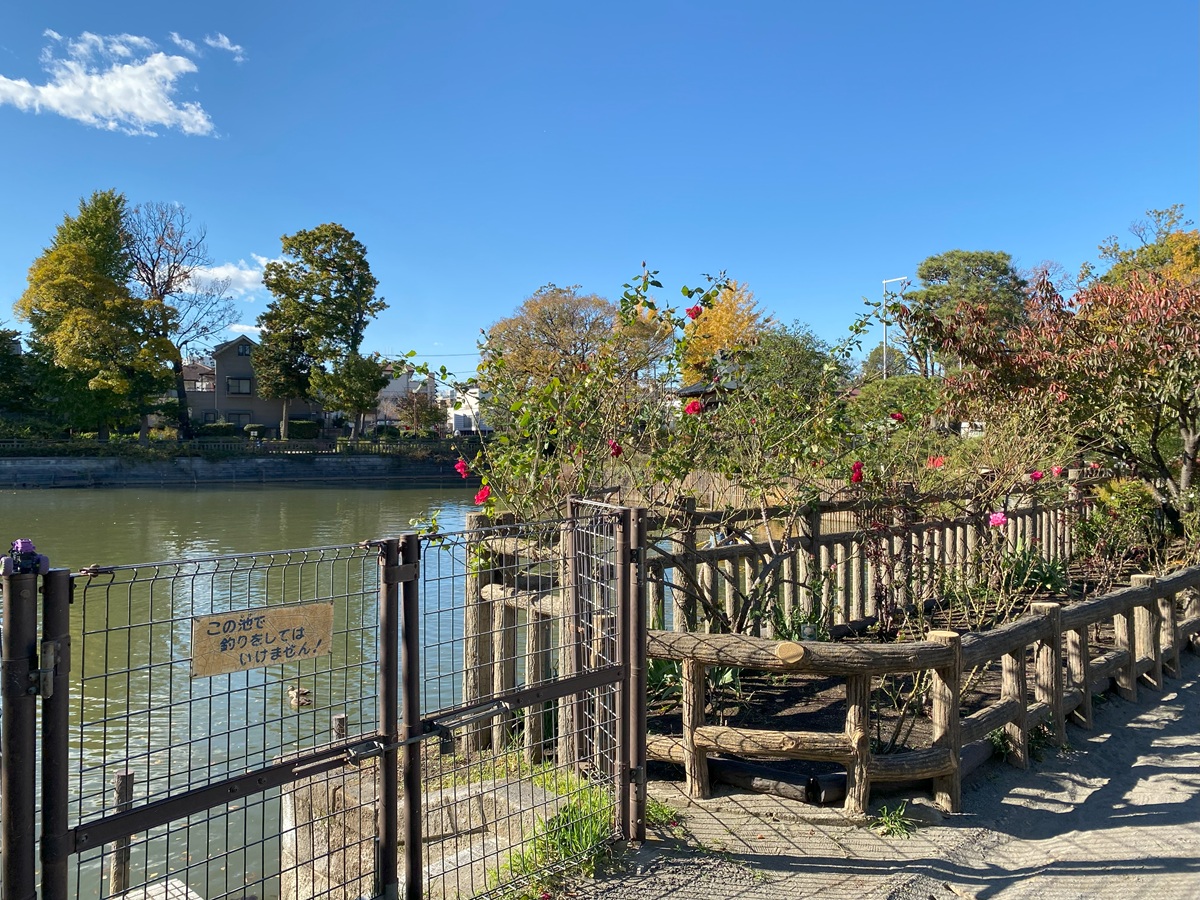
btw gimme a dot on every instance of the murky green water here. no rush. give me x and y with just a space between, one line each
119 526
135 706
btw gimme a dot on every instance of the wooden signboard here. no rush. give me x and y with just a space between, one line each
253 638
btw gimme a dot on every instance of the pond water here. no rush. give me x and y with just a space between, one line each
121 526
135 705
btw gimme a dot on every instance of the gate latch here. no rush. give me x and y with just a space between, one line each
41 681
365 750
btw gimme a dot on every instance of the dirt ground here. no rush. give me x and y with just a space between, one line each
1115 815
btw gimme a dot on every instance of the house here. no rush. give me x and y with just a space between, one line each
198 377
463 415
233 394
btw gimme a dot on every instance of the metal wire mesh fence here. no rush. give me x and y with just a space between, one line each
261 726
292 667
521 637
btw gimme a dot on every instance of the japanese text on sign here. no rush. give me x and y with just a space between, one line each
252 638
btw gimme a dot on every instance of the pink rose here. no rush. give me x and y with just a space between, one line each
693 408
462 468
1037 475
1056 471
482 497
997 520
614 448
897 416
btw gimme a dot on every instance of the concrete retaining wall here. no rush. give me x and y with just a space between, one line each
74 472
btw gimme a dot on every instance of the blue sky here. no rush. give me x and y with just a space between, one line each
482 149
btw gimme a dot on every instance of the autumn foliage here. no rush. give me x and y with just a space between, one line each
1119 364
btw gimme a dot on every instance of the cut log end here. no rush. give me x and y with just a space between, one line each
789 652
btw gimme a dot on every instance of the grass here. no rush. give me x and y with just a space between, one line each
893 822
572 842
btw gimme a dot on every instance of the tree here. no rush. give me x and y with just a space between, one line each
324 298
282 364
415 409
1118 365
558 332
898 363
88 325
1163 247
101 225
558 336
733 323
984 280
166 253
352 386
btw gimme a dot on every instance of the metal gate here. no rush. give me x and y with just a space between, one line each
531 687
197 721
253 726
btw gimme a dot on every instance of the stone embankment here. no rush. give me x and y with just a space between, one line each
76 472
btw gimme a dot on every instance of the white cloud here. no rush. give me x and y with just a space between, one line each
114 82
220 42
244 278
246 329
183 43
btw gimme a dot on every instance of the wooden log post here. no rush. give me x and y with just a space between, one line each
118 874
1190 612
1014 686
858 735
537 670
683 594
947 728
1168 611
656 594
809 556
1147 630
1124 639
1079 674
1048 669
570 652
695 763
477 625
504 667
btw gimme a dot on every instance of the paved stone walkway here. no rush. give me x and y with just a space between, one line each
1115 817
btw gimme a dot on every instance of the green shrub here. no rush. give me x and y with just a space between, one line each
256 427
303 429
217 429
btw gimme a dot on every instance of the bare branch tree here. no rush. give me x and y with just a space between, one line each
169 253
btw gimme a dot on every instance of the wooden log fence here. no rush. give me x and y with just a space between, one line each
839 560
1155 625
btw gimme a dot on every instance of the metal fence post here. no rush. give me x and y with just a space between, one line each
56 711
635 684
18 737
387 821
410 703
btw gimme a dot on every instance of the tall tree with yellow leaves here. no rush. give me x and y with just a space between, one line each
733 323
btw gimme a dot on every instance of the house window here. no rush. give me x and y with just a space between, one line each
237 385
210 415
243 349
239 419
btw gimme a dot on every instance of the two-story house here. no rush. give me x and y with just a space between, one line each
233 396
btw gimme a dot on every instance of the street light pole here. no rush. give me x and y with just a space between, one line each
886 282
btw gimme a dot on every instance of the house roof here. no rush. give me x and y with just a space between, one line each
237 340
193 371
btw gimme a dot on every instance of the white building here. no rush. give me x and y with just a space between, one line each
463 415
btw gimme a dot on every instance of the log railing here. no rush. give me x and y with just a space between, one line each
1151 624
839 560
